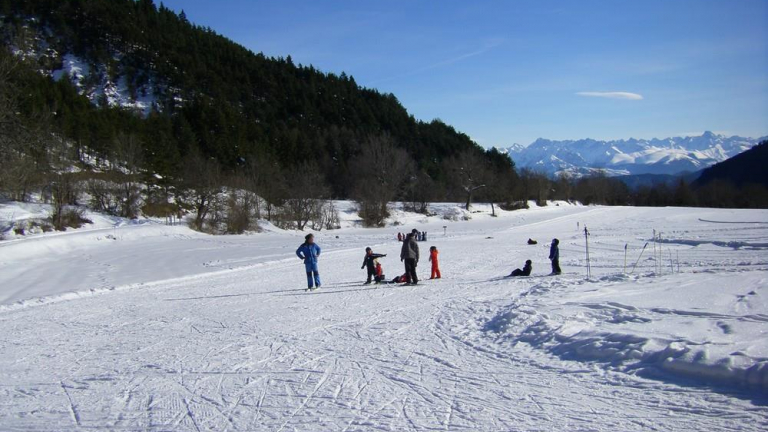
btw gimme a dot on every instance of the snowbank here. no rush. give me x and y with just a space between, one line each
716 346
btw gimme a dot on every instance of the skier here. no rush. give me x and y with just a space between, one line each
399 237
435 266
554 256
425 236
410 255
526 271
309 252
532 242
368 261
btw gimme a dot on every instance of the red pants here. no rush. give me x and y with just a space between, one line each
435 270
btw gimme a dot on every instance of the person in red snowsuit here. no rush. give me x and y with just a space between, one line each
435 265
378 276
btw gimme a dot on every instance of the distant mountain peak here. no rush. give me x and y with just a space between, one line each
631 156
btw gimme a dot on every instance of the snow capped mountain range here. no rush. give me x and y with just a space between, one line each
628 157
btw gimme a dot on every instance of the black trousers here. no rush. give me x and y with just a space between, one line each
516 272
410 269
556 266
371 273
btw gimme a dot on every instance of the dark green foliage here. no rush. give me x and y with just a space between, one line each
237 105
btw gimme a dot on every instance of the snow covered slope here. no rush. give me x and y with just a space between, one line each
99 87
632 156
216 333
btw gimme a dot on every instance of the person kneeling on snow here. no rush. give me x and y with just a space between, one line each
526 271
368 261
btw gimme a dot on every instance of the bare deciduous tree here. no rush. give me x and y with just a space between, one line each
202 183
128 154
268 180
307 191
379 174
536 185
420 191
468 172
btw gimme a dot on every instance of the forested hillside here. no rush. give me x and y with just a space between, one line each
244 116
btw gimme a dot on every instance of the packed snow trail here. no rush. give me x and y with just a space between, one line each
248 349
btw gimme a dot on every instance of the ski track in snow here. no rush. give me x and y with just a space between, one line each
243 347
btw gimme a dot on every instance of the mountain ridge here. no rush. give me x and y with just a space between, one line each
673 155
742 169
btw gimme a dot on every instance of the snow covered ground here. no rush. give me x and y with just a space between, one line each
149 327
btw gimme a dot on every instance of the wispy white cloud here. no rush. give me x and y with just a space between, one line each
612 95
487 46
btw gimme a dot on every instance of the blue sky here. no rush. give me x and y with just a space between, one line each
511 71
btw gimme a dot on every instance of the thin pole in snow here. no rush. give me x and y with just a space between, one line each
678 261
661 254
671 263
586 239
625 257
660 258
638 258
655 267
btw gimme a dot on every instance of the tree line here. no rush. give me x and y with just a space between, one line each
603 190
118 175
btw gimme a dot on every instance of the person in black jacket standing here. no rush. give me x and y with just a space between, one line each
368 261
410 255
554 256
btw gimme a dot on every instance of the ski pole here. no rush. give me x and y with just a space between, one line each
638 258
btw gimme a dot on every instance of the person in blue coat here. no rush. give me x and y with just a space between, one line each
554 256
309 252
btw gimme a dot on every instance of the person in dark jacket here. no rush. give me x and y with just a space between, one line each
526 271
368 261
554 256
410 255
309 252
